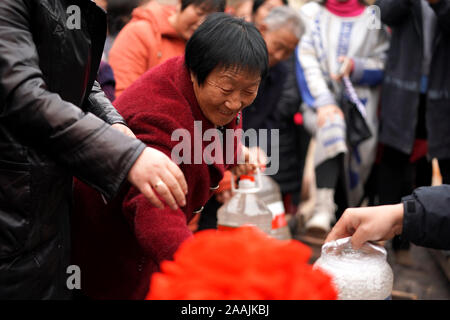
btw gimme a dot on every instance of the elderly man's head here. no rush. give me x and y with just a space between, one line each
282 29
227 58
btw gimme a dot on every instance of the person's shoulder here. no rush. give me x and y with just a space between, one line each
310 9
145 20
309 12
157 93
154 14
168 75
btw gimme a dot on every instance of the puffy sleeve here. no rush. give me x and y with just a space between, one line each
426 219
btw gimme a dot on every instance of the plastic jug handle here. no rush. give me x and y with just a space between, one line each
258 180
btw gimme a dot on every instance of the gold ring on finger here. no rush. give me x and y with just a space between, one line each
159 183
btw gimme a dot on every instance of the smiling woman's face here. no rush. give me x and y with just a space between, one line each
225 92
189 19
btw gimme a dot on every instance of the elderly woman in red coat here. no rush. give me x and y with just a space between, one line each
119 245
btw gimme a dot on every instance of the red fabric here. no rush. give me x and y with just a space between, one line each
420 150
351 8
240 264
120 245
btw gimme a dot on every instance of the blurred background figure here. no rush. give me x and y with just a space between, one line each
118 13
279 99
240 9
294 141
261 9
155 34
339 43
415 114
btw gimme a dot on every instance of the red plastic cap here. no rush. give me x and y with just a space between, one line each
247 177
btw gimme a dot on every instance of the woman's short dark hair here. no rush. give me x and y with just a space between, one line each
225 41
208 5
259 3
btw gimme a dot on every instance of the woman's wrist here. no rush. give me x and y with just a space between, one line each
398 213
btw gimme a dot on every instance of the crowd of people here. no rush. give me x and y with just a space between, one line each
88 114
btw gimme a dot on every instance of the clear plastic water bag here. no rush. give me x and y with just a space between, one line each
362 274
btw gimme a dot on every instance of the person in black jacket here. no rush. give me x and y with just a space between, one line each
422 218
416 69
56 123
294 139
415 101
282 29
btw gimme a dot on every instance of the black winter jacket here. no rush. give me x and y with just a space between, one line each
294 139
401 87
426 220
54 123
261 113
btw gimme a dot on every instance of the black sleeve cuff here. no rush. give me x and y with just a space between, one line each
412 219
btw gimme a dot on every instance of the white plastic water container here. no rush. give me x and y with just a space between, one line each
362 274
270 193
245 208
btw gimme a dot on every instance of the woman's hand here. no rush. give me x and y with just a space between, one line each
346 68
368 224
224 196
154 174
254 158
124 129
328 112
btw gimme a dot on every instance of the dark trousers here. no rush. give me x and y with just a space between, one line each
444 166
398 176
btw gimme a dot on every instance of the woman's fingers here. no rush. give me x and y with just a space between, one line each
179 176
147 191
170 190
153 168
124 129
162 189
339 231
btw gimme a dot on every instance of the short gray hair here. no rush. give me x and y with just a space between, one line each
285 17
